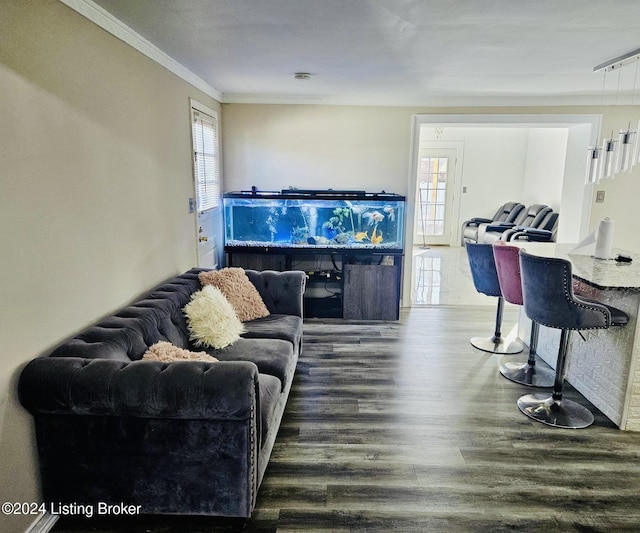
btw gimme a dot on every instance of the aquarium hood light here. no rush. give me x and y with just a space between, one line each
323 192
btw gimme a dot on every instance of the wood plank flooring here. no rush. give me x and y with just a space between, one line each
404 426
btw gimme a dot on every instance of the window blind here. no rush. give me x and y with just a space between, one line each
206 161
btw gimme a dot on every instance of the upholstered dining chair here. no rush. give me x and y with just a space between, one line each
508 268
549 300
485 280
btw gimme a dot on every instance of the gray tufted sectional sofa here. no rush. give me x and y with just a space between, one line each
173 438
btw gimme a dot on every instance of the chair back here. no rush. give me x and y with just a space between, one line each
550 222
483 268
547 290
508 212
532 215
507 259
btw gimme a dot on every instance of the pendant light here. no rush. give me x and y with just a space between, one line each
615 156
625 151
635 158
608 158
592 166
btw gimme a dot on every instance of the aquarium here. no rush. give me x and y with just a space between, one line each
314 219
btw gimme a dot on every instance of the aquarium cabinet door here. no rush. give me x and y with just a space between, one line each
370 292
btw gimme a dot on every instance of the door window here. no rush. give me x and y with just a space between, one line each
433 174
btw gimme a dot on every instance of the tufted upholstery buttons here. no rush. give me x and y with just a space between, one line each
275 288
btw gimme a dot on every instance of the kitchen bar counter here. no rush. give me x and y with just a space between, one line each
605 367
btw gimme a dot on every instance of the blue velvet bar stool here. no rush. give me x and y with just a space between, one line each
547 288
485 280
507 260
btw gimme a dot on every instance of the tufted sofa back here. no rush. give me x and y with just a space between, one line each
281 291
130 332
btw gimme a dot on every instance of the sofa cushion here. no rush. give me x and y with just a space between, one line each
168 353
269 395
211 320
283 327
272 356
236 287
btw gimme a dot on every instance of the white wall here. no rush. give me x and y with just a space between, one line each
575 205
544 169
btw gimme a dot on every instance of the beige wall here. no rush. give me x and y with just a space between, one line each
95 178
306 146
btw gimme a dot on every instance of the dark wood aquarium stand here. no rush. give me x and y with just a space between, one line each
342 283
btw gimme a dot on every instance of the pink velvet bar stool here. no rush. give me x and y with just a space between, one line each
508 267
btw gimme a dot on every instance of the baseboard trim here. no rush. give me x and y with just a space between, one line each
44 523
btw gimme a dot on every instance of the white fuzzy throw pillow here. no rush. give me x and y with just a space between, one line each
211 320
238 289
167 353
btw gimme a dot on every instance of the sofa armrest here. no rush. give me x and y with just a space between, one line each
479 220
499 226
282 292
532 234
142 389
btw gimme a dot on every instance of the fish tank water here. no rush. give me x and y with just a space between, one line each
309 219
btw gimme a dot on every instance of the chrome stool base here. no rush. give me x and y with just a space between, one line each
526 374
557 413
499 345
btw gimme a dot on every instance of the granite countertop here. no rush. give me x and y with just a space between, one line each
600 273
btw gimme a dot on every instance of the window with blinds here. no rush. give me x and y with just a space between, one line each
206 161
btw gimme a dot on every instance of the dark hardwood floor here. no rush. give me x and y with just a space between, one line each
404 426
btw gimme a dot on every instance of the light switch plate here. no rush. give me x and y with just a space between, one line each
599 197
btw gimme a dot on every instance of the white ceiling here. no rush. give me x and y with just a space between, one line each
397 52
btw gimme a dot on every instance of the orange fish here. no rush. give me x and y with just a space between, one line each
375 238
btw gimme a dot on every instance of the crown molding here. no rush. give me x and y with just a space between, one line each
431 101
118 29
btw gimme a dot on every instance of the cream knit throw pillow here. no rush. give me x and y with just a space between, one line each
211 320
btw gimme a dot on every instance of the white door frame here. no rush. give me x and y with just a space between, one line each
585 128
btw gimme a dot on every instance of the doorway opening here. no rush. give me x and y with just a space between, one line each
498 158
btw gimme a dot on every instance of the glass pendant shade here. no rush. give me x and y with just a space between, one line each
635 158
608 159
592 165
624 152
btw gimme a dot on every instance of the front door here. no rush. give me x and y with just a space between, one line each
207 222
208 184
434 196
